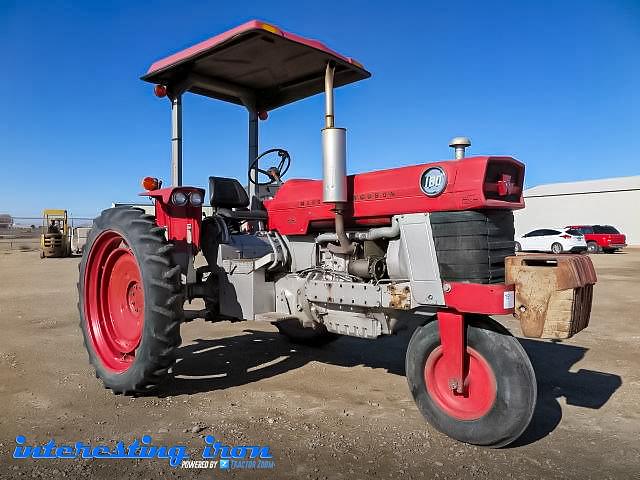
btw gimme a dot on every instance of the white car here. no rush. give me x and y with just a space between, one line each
552 240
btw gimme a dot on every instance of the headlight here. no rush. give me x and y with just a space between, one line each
179 198
196 199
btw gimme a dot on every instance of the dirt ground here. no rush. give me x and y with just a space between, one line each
342 411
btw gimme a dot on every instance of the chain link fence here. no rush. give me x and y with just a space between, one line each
23 234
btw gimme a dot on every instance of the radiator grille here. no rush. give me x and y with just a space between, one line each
471 245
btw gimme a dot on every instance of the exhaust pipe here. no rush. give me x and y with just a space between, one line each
372 234
334 166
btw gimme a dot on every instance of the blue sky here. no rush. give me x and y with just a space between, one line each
553 83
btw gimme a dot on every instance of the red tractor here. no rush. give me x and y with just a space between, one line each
358 255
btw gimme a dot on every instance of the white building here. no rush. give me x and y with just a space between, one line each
610 201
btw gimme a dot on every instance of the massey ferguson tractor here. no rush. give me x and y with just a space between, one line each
361 255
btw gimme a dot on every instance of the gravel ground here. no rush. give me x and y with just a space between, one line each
342 411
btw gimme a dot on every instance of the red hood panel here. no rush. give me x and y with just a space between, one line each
472 183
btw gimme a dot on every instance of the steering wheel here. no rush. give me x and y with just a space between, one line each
275 174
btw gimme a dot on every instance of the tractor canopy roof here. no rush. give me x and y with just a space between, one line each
255 64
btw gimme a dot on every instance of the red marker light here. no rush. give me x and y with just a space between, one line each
160 91
150 183
263 114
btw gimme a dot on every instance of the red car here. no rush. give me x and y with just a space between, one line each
602 238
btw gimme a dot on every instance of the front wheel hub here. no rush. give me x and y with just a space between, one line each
478 393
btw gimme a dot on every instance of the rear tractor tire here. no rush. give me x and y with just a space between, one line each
130 301
500 387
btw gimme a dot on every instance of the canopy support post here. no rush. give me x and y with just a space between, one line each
253 151
176 141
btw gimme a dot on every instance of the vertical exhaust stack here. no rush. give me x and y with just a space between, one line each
334 165
459 144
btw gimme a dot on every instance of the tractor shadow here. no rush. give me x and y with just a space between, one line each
552 362
216 364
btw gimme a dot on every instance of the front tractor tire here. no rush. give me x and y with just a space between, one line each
130 301
500 387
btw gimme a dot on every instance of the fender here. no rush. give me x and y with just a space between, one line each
181 222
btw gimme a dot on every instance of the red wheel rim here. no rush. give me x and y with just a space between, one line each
479 392
113 301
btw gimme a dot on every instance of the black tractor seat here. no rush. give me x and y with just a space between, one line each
242 214
230 200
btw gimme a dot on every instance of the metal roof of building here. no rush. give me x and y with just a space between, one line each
586 186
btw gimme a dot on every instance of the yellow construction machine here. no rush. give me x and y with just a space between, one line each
55 239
